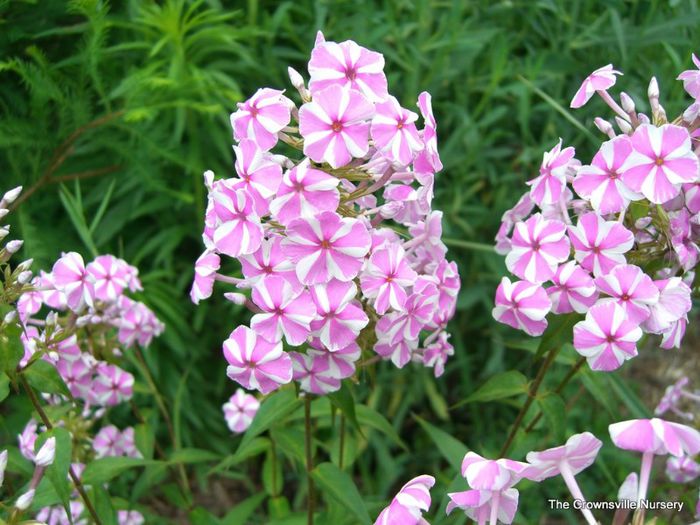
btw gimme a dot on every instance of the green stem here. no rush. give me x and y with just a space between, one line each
341 447
311 499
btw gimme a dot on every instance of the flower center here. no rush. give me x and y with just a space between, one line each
400 124
535 246
325 245
351 74
337 127
610 339
253 111
613 175
659 161
625 297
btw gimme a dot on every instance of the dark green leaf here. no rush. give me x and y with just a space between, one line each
500 386
451 449
44 377
104 469
336 484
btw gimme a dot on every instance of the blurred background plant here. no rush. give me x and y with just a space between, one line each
109 114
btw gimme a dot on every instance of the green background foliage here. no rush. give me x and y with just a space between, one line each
110 113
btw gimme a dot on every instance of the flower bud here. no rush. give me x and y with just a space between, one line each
627 103
51 318
24 277
10 317
236 298
604 126
4 231
13 247
3 212
624 126
25 500
642 223
3 465
643 119
628 489
46 453
10 196
691 114
653 91
295 78
25 265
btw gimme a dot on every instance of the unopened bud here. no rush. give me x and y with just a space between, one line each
25 500
3 212
4 231
24 277
25 265
653 91
46 453
624 126
51 318
642 223
295 78
604 126
627 103
628 489
10 317
13 247
691 114
10 196
236 298
3 465
643 119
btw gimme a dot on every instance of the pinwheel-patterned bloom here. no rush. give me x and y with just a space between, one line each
204 276
314 373
538 246
673 304
628 286
573 289
109 276
130 517
339 320
261 117
599 245
577 454
606 337
691 79
662 160
428 160
410 502
240 410
76 374
399 352
394 132
601 182
107 442
416 314
655 436
491 474
27 439
671 399
259 174
112 385
479 505
682 469
601 79
268 260
285 312
58 516
349 65
70 277
386 278
255 363
436 353
547 187
522 305
326 247
304 192
335 126
239 231
341 363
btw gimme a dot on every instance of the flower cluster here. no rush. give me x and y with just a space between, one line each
615 239
337 244
240 410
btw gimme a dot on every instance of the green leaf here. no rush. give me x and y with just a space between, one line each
11 350
44 377
201 516
451 449
192 455
369 417
557 333
239 514
103 504
57 473
290 441
104 469
554 410
345 402
499 386
145 439
4 386
272 474
254 447
338 485
272 411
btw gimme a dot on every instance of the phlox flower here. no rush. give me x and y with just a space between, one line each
239 231
109 275
259 174
130 517
57 515
573 289
538 246
483 506
341 363
418 311
127 443
261 117
599 245
662 160
27 439
339 320
268 260
428 160
691 193
285 312
522 305
673 304
691 79
671 398
427 235
51 295
601 79
137 323
448 284
106 442
629 287
70 277
348 65
436 353
386 278
335 126
491 474
601 182
240 410
112 385
408 505
606 337
682 469
304 192
547 187
673 337
314 374
204 276
76 374
326 246
399 352
256 363
30 302
394 132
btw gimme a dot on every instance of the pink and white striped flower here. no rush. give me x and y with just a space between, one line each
601 182
269 259
522 305
304 192
335 126
483 506
106 442
662 160
491 474
386 278
656 436
547 187
326 246
629 287
256 363
259 174
239 231
314 374
285 312
600 245
76 374
339 320
261 117
673 304
394 132
112 385
573 289
240 410
691 79
417 313
204 276
538 246
428 160
673 337
109 275
682 469
348 65
606 337
71 278
399 352
341 363
436 353
129 517
408 505
601 79
577 454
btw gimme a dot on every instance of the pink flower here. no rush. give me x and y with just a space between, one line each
112 385
76 374
671 398
106 442
240 410
341 363
628 286
579 453
522 305
601 79
491 474
573 290
261 117
204 276
314 373
137 323
394 132
347 65
127 443
408 505
436 353
601 182
538 246
682 469
428 160
326 246
399 352
304 192
599 245
692 196
109 275
27 439
386 278
547 187
662 160
416 314
268 260
335 126
259 174
285 312
130 517
691 79
72 279
673 304
339 319
606 337
239 231
673 337
30 302
485 505
256 363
